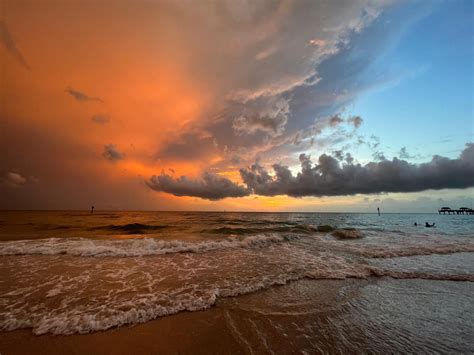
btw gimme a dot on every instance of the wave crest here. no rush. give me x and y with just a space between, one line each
134 247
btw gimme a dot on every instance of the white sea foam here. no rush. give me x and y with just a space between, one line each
134 247
91 294
88 319
73 310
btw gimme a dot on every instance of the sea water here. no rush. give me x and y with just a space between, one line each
67 272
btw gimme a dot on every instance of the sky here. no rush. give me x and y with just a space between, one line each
295 105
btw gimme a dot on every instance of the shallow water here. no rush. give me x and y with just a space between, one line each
339 317
71 272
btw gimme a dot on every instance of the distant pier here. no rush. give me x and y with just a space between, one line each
462 210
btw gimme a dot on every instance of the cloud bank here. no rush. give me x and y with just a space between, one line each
330 177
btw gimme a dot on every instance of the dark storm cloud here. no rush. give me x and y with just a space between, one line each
328 177
338 154
9 43
82 97
209 187
112 153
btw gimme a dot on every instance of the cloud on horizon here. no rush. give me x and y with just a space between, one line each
330 177
210 187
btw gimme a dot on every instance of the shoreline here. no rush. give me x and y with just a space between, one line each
208 331
273 320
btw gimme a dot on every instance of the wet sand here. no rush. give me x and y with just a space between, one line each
191 332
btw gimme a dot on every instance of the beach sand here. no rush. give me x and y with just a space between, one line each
201 332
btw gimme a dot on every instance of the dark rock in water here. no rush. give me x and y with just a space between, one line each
347 233
326 228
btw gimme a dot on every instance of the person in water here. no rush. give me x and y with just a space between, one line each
427 225
92 209
415 224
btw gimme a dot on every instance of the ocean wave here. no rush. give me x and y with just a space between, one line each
134 247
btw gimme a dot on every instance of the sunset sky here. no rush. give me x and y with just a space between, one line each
236 105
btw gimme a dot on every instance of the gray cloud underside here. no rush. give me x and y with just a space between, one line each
328 177
9 43
82 97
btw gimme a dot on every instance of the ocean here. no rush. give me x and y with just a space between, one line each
280 282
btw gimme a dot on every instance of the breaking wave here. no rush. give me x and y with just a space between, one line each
133 247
